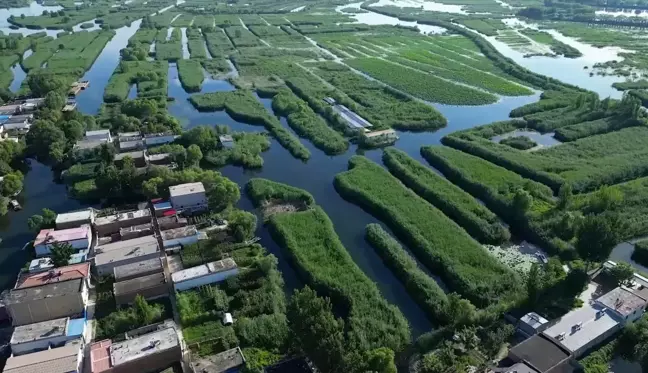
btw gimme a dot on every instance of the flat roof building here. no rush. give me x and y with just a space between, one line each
79 238
47 302
74 219
139 158
66 359
61 274
171 222
98 135
46 334
626 304
179 236
205 274
137 269
542 353
124 252
110 224
225 361
146 353
189 197
151 286
532 323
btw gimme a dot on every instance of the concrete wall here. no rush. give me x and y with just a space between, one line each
195 201
108 268
151 141
40 345
158 291
106 229
205 280
596 341
83 244
46 309
72 224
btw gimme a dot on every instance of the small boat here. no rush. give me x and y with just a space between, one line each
15 205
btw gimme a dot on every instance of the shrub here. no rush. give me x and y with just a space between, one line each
519 142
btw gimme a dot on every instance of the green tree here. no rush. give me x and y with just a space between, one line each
42 84
242 225
44 137
564 196
144 312
73 130
534 284
140 108
35 223
107 153
381 360
194 155
150 187
205 137
12 184
605 199
316 331
522 201
61 252
597 236
54 100
49 218
179 156
431 363
460 311
622 273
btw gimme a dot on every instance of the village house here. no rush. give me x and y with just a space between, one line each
79 238
188 197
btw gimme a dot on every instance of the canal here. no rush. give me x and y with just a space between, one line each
316 175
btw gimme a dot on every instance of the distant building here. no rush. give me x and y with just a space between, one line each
544 354
205 274
74 219
130 143
41 336
179 236
66 359
231 360
138 269
226 141
125 252
138 157
151 286
188 197
161 207
47 302
150 352
153 139
378 138
110 224
18 123
79 238
98 135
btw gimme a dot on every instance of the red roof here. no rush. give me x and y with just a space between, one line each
156 200
169 213
61 274
100 356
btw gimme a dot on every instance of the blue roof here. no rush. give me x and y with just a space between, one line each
75 327
162 205
79 257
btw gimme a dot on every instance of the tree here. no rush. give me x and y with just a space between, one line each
107 153
205 137
140 108
12 184
460 311
150 187
316 331
54 100
61 252
605 199
74 130
35 223
534 284
564 196
597 236
381 360
431 363
242 225
144 312
42 138
194 155
41 84
179 156
522 201
622 273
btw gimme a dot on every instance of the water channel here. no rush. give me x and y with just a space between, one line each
316 175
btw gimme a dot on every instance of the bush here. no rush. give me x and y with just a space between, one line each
519 142
441 245
454 202
424 289
268 332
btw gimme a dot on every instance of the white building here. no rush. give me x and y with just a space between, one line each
79 238
66 359
179 236
153 139
74 219
98 135
46 334
188 197
205 274
119 253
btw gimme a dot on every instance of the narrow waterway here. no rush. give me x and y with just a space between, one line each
18 76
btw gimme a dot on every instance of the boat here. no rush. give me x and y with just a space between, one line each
15 205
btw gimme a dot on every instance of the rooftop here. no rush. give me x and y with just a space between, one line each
97 133
621 300
144 345
137 154
221 362
203 270
136 228
122 250
579 327
162 205
159 134
139 283
541 352
533 320
100 356
40 330
40 264
521 368
129 134
58 275
74 216
184 189
145 266
46 291
381 133
89 144
169 234
47 236
122 217
56 360
226 138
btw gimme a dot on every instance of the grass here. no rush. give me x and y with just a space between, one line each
242 105
437 241
191 74
557 47
196 43
420 84
460 206
325 264
150 77
169 50
308 124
